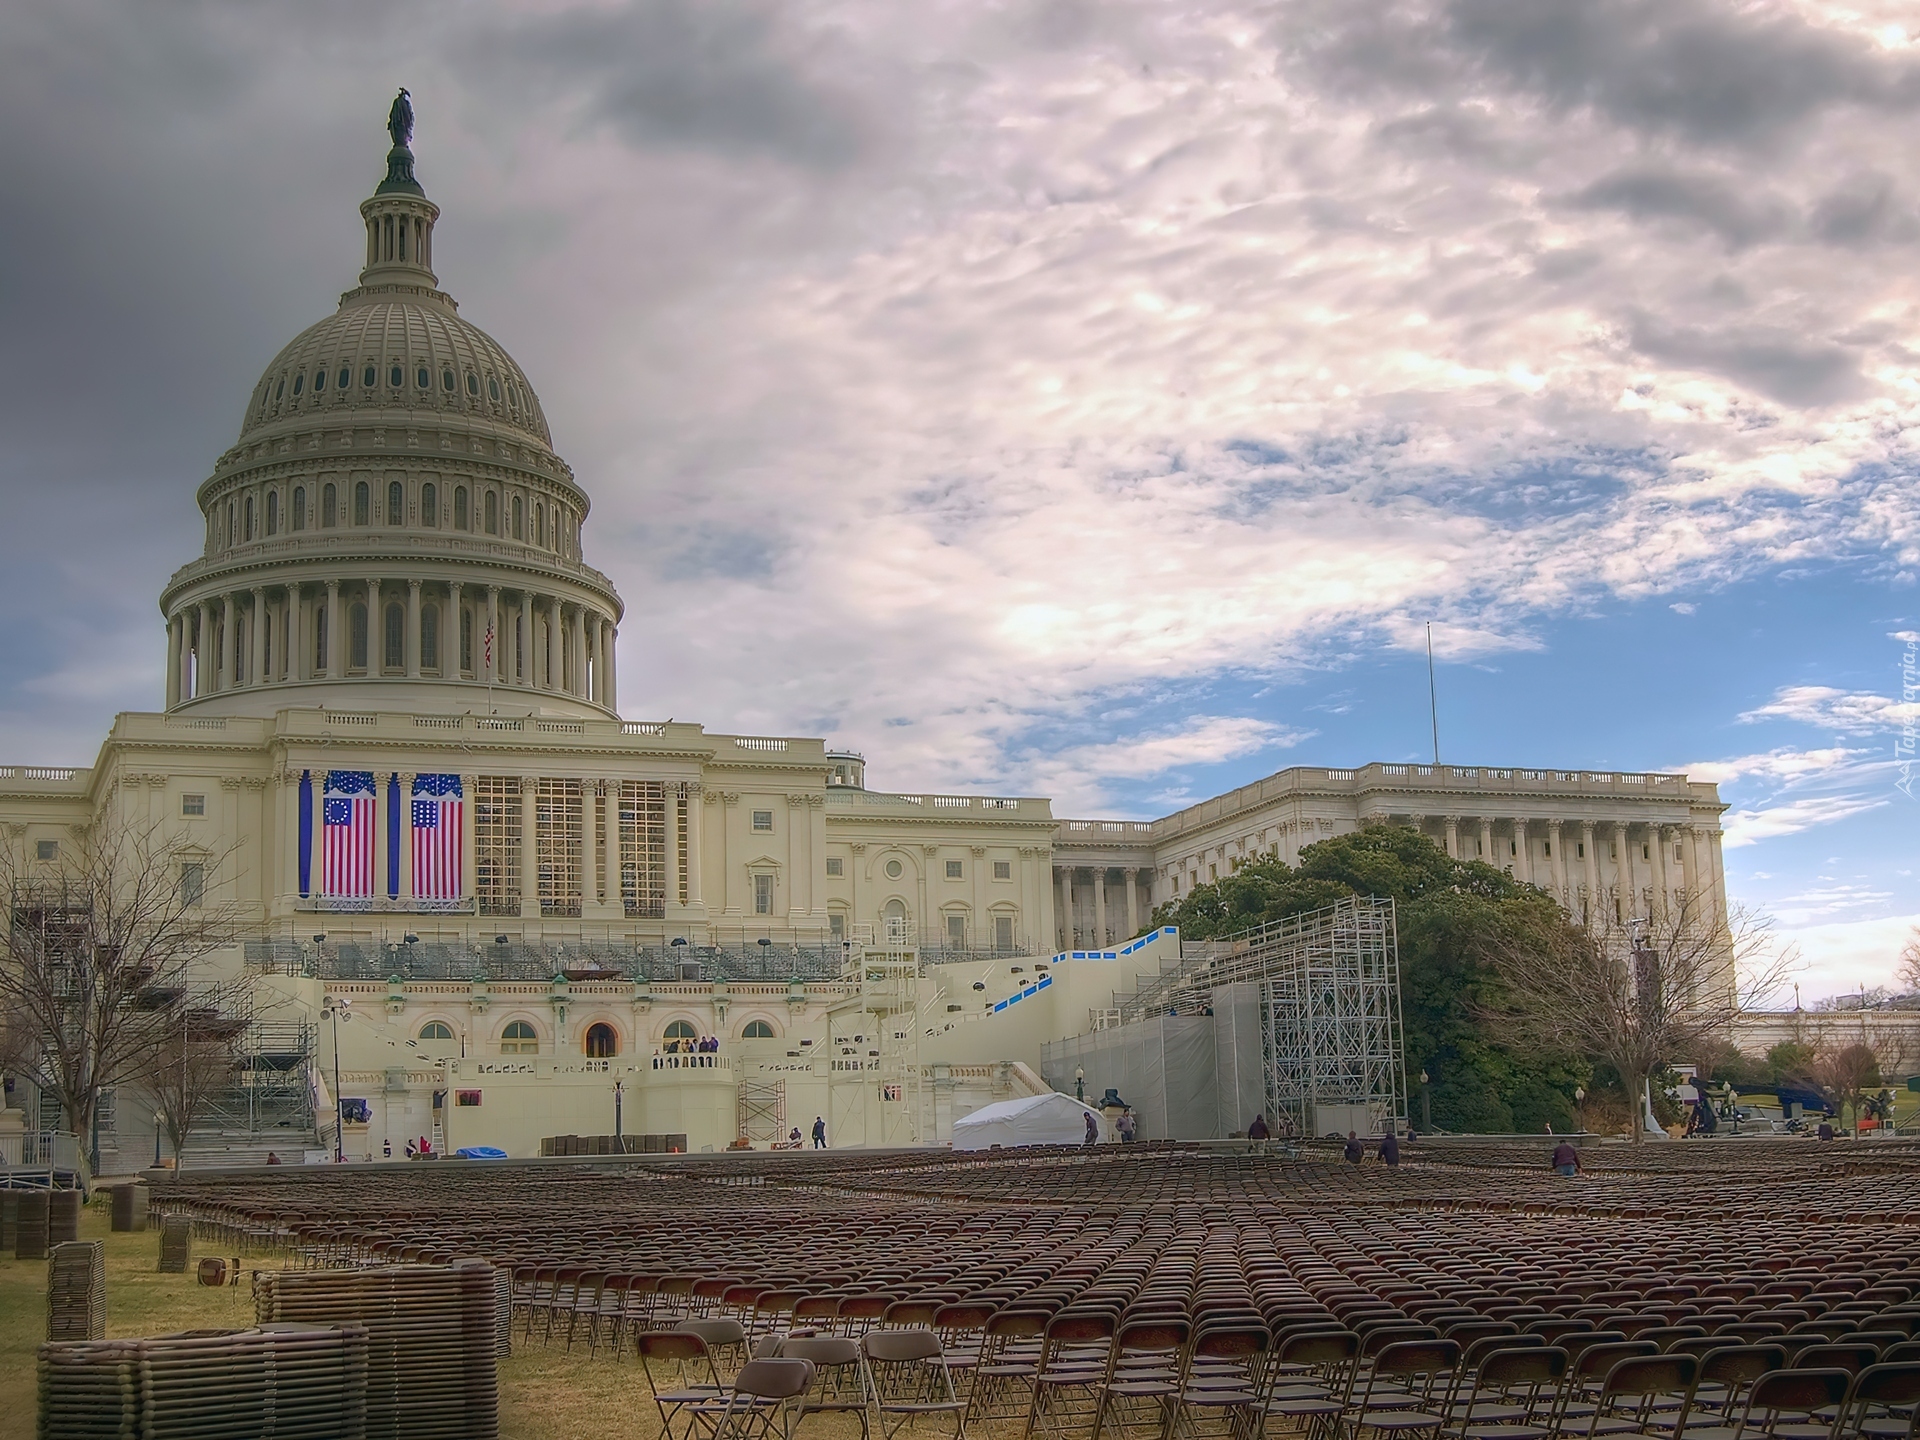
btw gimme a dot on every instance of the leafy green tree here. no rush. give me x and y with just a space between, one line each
1444 910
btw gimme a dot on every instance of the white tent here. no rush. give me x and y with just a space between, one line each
1050 1119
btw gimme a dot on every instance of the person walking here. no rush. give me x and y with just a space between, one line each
1566 1159
1258 1129
1390 1149
819 1132
1356 1150
1093 1130
1129 1129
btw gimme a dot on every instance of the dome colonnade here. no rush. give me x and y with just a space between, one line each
392 511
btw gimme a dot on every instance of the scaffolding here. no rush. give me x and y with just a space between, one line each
874 1079
1328 984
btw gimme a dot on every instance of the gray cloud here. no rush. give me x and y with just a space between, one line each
1658 192
736 76
1779 364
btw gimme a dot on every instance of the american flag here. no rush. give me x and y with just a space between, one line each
347 814
437 819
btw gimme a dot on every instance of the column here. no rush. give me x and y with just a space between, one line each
553 643
603 669
612 700
1133 902
412 647
724 891
1592 868
696 871
175 628
286 831
376 630
1662 885
1099 907
257 638
577 644
1486 840
1453 836
450 634
289 633
468 837
589 845
611 850
227 667
491 649
591 691
523 652
529 851
1522 861
1556 862
406 835
336 642
1623 872
1066 907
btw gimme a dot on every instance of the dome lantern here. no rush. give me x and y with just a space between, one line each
399 217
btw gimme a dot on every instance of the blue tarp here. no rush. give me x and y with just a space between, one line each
480 1152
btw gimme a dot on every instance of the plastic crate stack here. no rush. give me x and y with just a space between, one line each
176 1244
432 1337
77 1291
294 1382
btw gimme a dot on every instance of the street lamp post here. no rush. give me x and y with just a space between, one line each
619 1089
334 1007
1080 1084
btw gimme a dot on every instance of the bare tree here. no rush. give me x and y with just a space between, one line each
1846 1073
196 1058
99 943
1638 996
1907 972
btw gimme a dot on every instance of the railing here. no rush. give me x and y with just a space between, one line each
38 772
48 1150
705 1061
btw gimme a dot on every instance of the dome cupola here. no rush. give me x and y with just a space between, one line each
393 529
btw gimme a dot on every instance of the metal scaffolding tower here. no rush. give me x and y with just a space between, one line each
874 1044
1329 999
1330 1018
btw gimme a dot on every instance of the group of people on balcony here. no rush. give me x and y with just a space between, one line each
703 1045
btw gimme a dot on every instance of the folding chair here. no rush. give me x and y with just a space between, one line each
1309 1382
726 1341
1071 1370
761 1402
1409 1389
1009 1361
681 1376
839 1381
1780 1403
1146 1367
1222 1384
1884 1403
1506 1400
907 1380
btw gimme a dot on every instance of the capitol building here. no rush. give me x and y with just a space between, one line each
391 743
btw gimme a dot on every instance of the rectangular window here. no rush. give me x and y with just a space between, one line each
193 804
957 932
559 832
496 843
466 640
46 849
763 820
1003 869
953 869
1580 850
836 867
1003 933
837 925
466 1098
643 848
193 883
763 894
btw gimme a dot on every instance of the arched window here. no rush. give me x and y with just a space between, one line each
396 377
329 508
436 1030
473 385
519 519
539 524
246 522
423 379
273 512
368 376
299 507
460 516
493 512
446 381
319 379
320 640
430 504
757 1030
519 1039
895 915
681 1030
394 653
493 390
466 639
230 529
362 503
602 1043
430 637
357 643
396 503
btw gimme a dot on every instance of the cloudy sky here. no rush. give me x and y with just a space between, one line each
1086 399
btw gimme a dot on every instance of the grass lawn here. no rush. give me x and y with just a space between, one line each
542 1393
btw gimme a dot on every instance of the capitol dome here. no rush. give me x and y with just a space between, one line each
392 529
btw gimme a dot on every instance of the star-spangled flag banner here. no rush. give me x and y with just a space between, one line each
346 812
438 803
